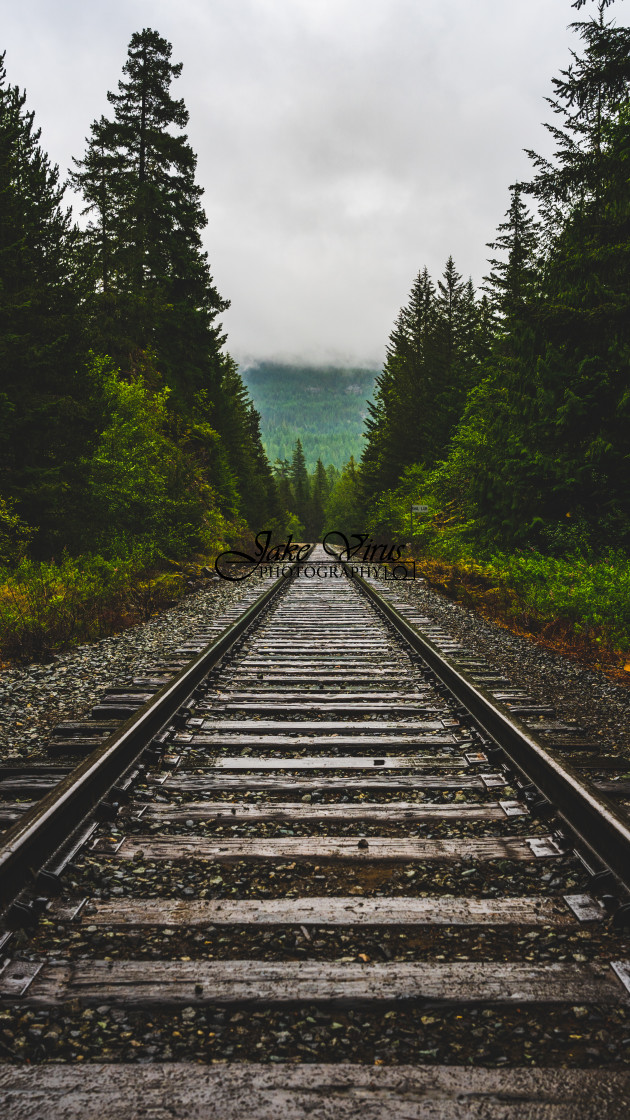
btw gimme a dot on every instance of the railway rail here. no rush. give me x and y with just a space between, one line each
323 861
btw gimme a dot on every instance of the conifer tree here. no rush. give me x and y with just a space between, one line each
152 283
456 367
399 421
299 483
319 490
282 479
588 97
344 506
556 413
43 410
511 282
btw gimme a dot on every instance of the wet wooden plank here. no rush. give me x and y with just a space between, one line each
305 726
367 706
250 686
324 849
170 983
305 696
246 811
318 742
441 910
12 811
191 1091
620 788
598 762
369 674
84 727
342 645
74 745
184 783
322 663
341 762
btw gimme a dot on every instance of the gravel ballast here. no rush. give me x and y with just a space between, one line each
580 694
36 697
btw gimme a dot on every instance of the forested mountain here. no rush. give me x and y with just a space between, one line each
325 407
125 424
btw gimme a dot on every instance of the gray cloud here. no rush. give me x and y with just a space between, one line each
342 144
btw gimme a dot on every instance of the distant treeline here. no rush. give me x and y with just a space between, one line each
324 406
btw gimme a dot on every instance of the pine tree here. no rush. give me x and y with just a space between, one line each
344 508
152 283
456 367
511 282
43 411
282 478
299 483
555 418
399 422
319 490
588 97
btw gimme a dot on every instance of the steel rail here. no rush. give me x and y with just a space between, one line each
34 839
593 819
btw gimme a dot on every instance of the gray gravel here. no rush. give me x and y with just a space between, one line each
35 697
587 696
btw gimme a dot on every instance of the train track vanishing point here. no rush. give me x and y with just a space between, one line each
331 866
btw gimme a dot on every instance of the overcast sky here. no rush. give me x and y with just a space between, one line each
342 144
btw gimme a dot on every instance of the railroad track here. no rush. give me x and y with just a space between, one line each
318 870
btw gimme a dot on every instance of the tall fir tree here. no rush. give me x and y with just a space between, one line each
399 421
511 282
299 483
152 287
44 414
550 464
319 491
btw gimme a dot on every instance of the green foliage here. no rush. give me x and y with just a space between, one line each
344 506
123 424
319 489
153 307
47 606
300 489
145 485
15 535
295 528
593 596
538 458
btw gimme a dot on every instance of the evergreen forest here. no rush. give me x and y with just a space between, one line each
507 410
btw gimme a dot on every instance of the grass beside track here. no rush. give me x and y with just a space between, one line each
47 607
576 607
